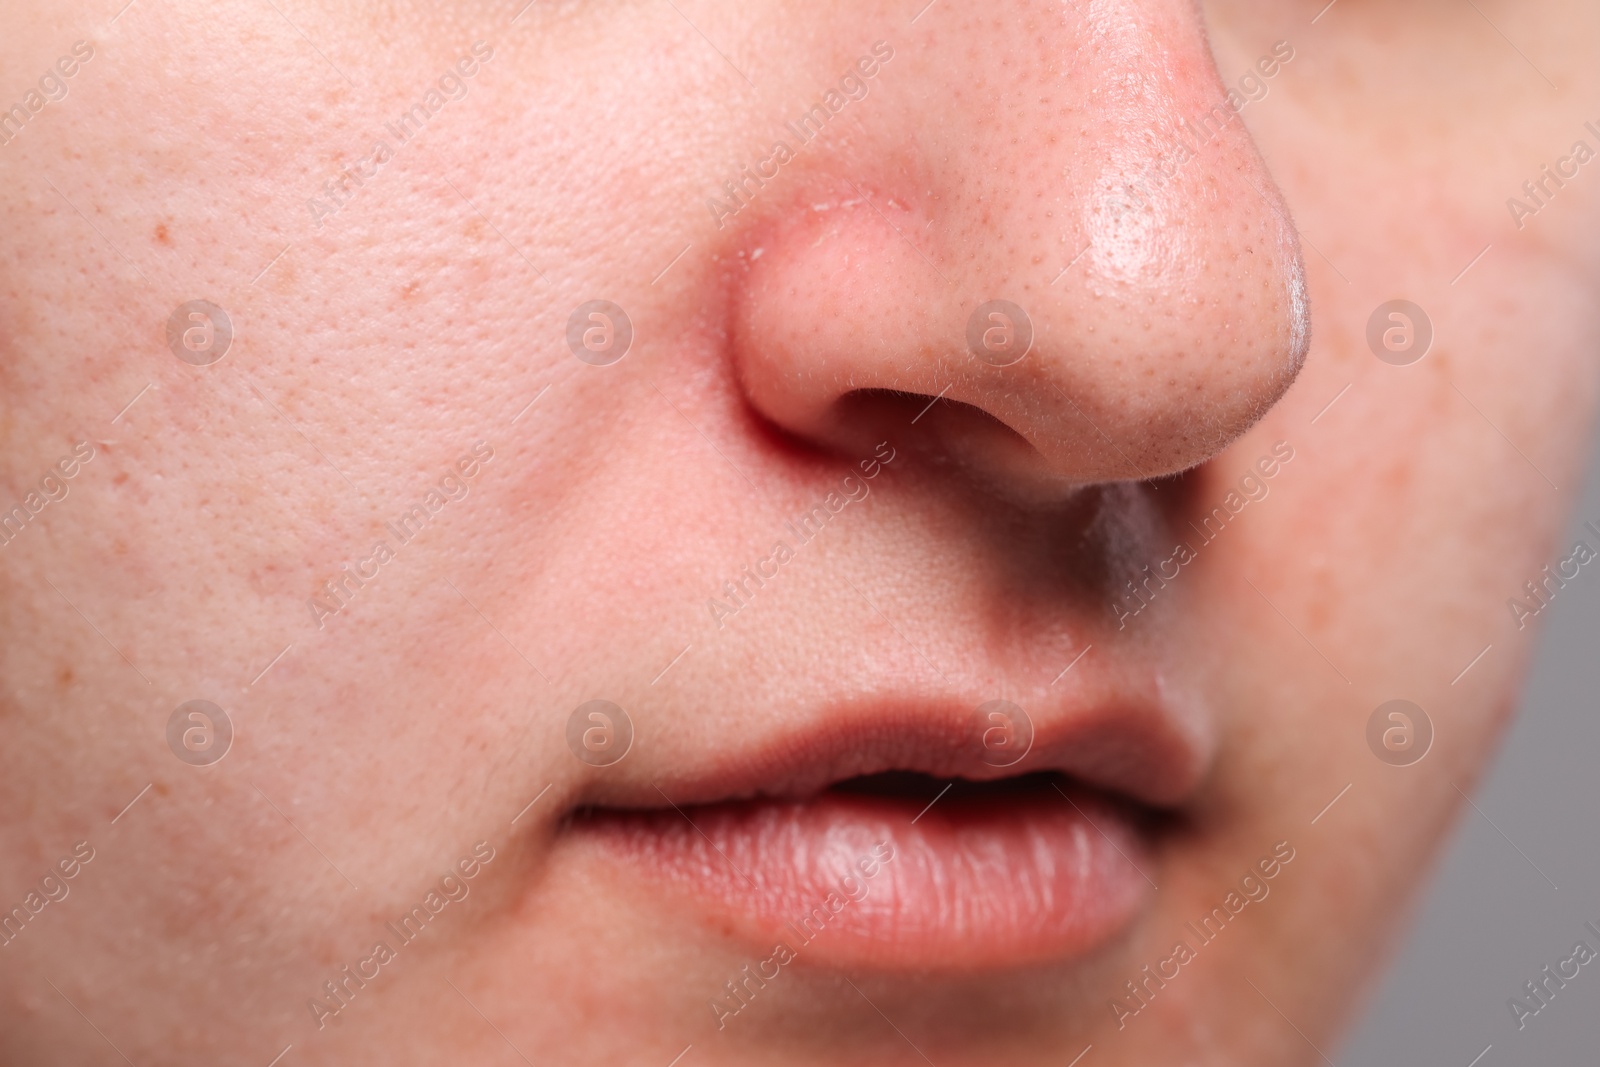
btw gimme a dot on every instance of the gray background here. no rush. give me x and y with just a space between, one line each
1490 922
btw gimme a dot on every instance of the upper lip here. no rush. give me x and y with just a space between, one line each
1130 739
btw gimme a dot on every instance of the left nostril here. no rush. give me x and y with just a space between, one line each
963 439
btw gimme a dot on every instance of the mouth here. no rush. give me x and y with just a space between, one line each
901 870
912 842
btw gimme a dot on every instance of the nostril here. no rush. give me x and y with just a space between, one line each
935 422
962 438
906 407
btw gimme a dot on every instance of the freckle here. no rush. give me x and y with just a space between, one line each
162 789
161 234
64 677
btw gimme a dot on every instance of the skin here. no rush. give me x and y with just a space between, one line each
1198 328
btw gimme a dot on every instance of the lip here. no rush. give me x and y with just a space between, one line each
841 879
1038 860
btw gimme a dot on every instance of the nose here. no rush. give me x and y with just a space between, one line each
1042 245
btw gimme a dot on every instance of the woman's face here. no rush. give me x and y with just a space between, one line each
854 400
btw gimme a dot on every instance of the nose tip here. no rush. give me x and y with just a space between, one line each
848 331
1077 299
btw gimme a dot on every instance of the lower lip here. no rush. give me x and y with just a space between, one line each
848 879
